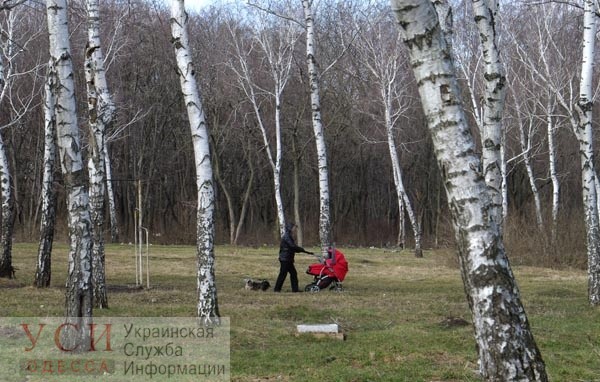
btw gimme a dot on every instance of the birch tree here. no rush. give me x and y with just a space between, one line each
552 149
506 347
79 295
276 45
486 14
579 113
100 113
43 274
317 122
207 308
381 55
584 133
6 192
526 124
6 268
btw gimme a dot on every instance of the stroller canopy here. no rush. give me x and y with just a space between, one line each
336 266
339 264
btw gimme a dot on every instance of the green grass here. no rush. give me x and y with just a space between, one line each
391 311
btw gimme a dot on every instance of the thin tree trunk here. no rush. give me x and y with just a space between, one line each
228 198
553 172
507 349
101 110
207 308
315 98
296 183
245 202
110 197
79 296
6 267
400 191
6 195
485 12
584 133
525 141
43 274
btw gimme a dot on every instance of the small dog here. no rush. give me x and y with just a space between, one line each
257 285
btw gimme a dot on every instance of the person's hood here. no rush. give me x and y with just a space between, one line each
289 227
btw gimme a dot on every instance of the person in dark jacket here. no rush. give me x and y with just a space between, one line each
287 250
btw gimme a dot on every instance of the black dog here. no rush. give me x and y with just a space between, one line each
257 285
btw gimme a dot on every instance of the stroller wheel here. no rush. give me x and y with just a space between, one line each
314 288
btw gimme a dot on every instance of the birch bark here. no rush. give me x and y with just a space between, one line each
207 307
315 101
79 297
552 164
507 350
101 110
110 197
6 268
6 194
486 12
584 133
43 274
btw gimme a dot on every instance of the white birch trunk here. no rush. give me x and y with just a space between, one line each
6 201
383 60
6 268
315 101
43 274
525 142
110 197
507 350
584 134
296 182
101 111
504 172
277 166
485 12
553 173
79 304
207 308
401 195
279 56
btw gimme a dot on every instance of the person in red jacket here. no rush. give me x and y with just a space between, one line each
287 251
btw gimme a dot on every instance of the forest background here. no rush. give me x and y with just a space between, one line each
149 142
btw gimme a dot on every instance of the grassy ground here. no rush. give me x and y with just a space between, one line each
394 312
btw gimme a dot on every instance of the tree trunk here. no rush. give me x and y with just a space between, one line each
584 133
507 349
6 268
6 195
485 12
400 191
553 172
296 183
207 308
525 141
79 298
110 197
43 274
315 101
101 110
245 200
228 198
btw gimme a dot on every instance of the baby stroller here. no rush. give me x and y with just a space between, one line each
329 272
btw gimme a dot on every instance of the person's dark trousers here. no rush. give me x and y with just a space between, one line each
285 268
